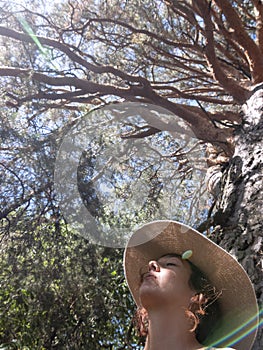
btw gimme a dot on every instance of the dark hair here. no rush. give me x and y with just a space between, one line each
203 310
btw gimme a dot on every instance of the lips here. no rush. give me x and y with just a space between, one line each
148 275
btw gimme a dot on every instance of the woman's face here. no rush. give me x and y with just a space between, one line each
166 283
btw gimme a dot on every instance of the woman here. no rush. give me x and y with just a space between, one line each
191 294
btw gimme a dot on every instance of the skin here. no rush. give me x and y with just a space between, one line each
165 294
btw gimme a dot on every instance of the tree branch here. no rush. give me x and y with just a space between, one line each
151 35
252 51
68 50
26 199
230 85
66 97
176 93
258 5
83 85
201 126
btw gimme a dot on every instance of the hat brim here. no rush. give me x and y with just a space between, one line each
238 301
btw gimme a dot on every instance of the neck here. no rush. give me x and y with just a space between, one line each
169 330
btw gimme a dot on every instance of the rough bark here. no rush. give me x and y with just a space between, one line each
239 217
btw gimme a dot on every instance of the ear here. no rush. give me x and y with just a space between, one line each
196 309
198 302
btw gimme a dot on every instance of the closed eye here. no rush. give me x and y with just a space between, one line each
171 264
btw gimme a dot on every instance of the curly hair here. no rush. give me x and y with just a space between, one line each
203 310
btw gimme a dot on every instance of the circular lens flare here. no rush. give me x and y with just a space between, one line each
124 165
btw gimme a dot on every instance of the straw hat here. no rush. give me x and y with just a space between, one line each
237 303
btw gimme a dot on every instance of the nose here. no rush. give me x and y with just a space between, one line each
154 266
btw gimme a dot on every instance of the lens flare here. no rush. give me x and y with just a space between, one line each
241 332
44 51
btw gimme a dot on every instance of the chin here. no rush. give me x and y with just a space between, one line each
149 297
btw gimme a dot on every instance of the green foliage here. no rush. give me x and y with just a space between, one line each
60 292
57 291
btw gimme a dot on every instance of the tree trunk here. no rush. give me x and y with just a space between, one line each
239 216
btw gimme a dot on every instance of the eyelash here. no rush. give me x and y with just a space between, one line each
171 264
